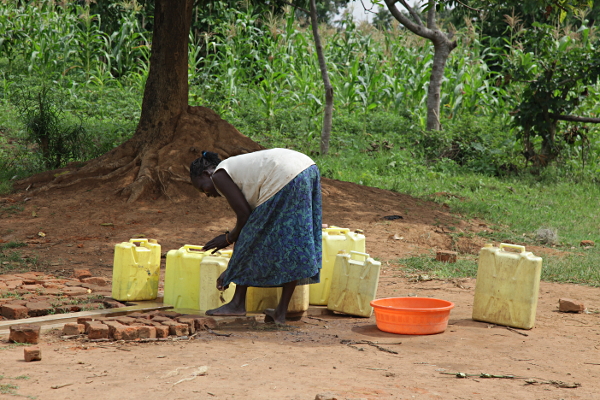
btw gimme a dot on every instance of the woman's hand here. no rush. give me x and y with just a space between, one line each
218 243
220 286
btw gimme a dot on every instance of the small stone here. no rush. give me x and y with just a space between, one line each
446 256
570 305
25 333
326 396
82 274
32 354
587 243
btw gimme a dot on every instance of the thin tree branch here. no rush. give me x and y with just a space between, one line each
466 6
417 29
411 12
574 118
431 15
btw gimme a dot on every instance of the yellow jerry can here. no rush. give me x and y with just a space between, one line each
334 240
136 270
260 298
211 267
190 282
354 284
507 287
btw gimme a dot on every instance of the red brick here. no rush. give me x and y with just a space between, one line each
52 285
160 318
38 308
587 243
73 328
32 354
97 330
74 291
96 280
131 333
570 305
146 332
169 314
203 323
73 283
189 322
178 329
52 291
118 331
82 320
11 285
81 273
30 275
162 331
25 333
110 303
32 288
446 256
139 315
126 320
14 311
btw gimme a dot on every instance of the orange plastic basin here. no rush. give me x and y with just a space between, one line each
412 315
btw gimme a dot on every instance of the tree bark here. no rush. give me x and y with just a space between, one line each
166 91
442 44
328 113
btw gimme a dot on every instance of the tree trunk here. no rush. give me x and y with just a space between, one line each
442 45
166 91
328 114
442 48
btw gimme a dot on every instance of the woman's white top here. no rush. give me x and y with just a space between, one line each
261 174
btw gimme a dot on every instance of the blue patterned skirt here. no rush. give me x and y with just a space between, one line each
281 241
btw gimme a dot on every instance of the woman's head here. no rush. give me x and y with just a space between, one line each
208 161
202 169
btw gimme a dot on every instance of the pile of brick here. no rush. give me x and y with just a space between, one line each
34 294
153 325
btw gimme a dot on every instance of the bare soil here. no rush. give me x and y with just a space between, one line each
313 356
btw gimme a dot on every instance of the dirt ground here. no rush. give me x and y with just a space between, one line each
313 356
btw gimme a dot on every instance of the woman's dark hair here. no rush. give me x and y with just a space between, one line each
208 159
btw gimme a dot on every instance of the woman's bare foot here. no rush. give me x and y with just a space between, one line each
228 309
271 316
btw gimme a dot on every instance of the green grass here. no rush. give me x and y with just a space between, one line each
578 267
8 388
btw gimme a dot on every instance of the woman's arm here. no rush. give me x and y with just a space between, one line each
237 202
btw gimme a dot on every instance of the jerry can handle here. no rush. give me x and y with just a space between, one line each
140 241
335 229
190 247
513 246
359 253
